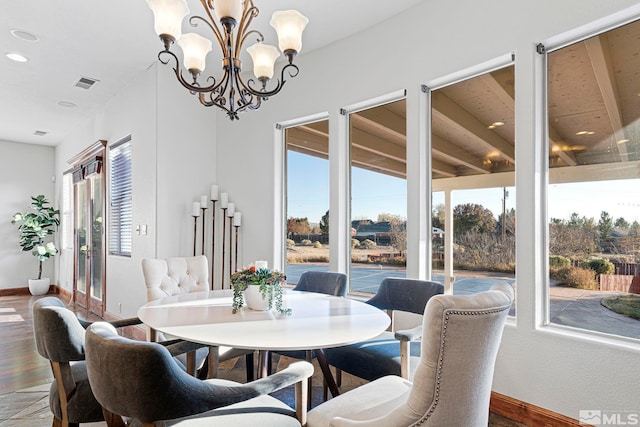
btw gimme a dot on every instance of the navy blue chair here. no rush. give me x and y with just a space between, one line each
390 353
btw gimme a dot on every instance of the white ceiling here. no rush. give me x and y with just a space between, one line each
113 41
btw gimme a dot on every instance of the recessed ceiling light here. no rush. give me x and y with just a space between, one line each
67 104
585 132
622 141
16 57
24 35
495 125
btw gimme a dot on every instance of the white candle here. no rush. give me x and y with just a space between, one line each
195 209
237 219
261 264
224 200
203 201
214 192
231 208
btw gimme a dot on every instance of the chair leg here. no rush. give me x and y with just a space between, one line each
339 377
112 420
56 422
248 359
203 372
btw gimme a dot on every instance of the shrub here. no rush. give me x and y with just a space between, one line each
317 245
581 278
355 243
368 244
559 261
306 242
290 244
599 265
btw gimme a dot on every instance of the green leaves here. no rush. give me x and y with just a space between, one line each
35 225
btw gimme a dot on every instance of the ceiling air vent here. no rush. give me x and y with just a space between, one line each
86 82
40 133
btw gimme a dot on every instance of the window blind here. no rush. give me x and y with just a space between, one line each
120 214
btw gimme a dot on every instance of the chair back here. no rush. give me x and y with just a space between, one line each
409 295
125 376
173 276
58 334
323 282
462 334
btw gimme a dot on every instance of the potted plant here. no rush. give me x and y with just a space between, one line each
260 287
34 225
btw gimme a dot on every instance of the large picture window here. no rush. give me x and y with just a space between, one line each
307 196
473 181
594 182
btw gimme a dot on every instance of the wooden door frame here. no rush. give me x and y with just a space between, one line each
95 153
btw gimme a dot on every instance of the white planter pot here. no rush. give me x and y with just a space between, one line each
253 298
39 286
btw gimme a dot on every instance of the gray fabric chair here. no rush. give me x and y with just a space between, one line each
390 353
60 338
452 383
179 275
140 380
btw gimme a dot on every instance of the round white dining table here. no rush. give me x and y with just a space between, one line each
317 321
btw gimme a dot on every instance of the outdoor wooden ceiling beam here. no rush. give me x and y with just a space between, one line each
601 63
308 141
379 146
495 87
445 108
365 160
457 155
382 123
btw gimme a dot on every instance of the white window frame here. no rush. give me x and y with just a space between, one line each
120 235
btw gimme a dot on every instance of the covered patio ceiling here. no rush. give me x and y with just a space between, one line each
594 106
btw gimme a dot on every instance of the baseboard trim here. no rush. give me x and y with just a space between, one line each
528 414
15 292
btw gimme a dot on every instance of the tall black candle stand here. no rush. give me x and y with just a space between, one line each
224 226
236 249
213 241
204 209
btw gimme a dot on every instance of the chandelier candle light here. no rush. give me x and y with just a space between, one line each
230 28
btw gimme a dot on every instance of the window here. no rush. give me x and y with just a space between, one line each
473 179
120 213
307 228
593 197
67 211
377 141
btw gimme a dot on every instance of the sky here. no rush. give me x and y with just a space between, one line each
374 193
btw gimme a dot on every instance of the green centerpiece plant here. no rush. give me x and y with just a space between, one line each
35 225
269 283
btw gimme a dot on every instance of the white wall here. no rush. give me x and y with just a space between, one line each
540 365
25 170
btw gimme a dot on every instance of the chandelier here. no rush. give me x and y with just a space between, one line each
231 28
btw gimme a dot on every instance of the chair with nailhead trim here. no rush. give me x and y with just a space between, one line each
452 383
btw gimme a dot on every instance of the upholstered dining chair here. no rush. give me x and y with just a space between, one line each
179 275
452 382
390 353
154 389
322 282
59 337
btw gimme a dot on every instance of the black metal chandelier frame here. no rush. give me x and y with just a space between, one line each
230 92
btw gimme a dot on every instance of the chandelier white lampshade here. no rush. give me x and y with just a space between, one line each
289 24
227 22
194 49
168 16
228 9
264 57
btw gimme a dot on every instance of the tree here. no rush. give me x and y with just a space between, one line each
397 230
621 223
473 218
324 223
605 226
575 236
437 216
298 226
510 222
